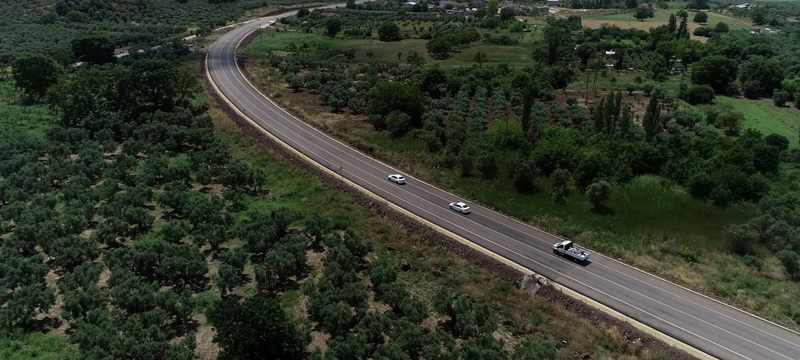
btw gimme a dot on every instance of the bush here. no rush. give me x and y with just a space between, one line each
780 97
779 142
791 261
398 123
700 17
524 174
699 94
597 194
389 31
703 31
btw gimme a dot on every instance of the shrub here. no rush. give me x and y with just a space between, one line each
597 194
780 142
780 97
389 31
703 31
791 261
700 17
398 123
699 94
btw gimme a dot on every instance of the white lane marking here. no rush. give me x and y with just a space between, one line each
378 187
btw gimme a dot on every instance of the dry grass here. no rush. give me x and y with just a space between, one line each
205 347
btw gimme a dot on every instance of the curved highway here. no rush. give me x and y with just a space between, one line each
705 324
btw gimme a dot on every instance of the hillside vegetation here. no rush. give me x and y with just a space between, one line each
48 26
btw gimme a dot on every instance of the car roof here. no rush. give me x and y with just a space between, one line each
396 175
461 204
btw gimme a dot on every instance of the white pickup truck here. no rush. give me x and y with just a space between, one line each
567 249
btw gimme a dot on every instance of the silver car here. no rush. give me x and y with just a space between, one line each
460 207
397 179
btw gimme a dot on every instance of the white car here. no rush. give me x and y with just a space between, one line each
397 179
460 207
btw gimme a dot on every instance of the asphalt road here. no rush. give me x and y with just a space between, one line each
714 328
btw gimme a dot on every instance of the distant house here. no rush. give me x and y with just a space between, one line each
610 53
409 6
543 10
644 5
553 3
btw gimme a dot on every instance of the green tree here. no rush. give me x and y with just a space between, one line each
697 4
700 17
35 73
759 15
151 85
760 76
559 184
699 94
439 47
643 12
683 29
391 96
491 8
791 262
507 13
672 26
780 97
388 31
398 123
93 50
256 328
717 71
597 194
555 38
652 118
731 121
332 26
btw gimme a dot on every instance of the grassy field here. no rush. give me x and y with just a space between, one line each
15 117
765 117
514 55
38 346
661 16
